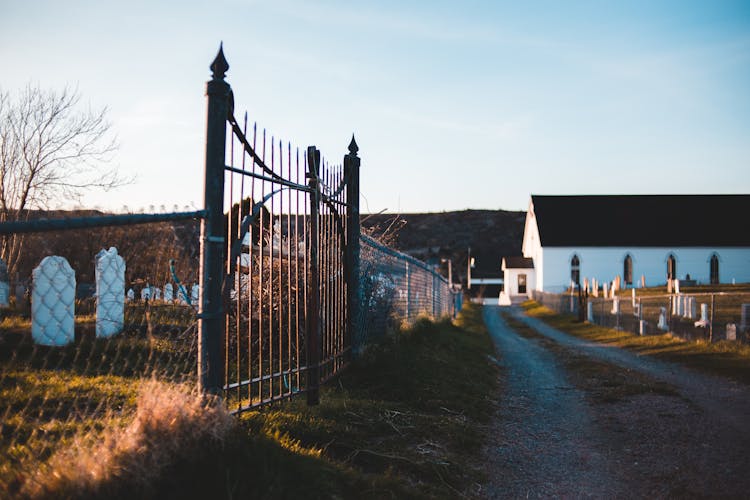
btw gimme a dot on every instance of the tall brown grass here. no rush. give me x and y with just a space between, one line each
172 423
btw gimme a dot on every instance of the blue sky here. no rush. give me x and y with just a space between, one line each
454 104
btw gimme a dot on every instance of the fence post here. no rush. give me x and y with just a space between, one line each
312 330
352 261
408 293
210 312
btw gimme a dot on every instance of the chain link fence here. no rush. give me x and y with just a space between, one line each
709 316
82 330
397 288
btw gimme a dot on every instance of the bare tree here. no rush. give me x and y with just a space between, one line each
51 149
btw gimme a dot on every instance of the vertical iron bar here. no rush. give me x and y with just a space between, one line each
211 314
352 260
313 306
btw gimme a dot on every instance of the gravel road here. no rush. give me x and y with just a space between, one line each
551 439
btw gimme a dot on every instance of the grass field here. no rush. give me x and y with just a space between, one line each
406 420
729 359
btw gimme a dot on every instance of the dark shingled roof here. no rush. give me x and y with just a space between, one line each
518 262
643 220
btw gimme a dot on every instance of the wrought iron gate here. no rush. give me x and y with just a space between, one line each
279 260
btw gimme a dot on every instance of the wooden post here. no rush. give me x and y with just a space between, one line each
210 311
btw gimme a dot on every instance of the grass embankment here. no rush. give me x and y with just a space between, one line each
404 421
729 359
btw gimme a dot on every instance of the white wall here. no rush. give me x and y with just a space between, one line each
605 263
511 280
532 249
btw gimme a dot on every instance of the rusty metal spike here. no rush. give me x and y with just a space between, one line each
220 65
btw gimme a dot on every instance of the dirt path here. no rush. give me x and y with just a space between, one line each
552 438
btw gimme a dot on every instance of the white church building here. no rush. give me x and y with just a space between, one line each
651 238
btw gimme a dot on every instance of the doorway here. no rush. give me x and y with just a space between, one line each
521 283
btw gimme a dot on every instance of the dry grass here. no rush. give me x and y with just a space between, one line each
170 422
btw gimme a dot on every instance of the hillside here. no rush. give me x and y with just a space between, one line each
491 234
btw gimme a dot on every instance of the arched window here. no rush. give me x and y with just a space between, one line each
714 269
575 270
627 270
671 267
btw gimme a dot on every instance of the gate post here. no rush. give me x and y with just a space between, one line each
210 311
352 260
312 330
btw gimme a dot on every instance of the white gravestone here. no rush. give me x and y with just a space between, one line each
632 293
157 293
605 290
168 293
642 327
590 312
146 292
616 305
663 319
131 295
195 295
110 293
53 302
4 285
731 331
703 322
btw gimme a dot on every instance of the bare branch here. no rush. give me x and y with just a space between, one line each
51 148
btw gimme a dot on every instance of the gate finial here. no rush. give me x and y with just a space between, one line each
353 148
220 65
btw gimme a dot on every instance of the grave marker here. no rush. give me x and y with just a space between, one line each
53 302
110 293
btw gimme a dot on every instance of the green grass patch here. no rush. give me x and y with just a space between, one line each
729 359
406 420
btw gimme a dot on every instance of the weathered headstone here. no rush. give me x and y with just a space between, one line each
642 327
662 325
146 292
616 305
703 322
53 302
168 293
594 287
590 312
130 295
606 290
4 285
110 293
156 293
676 286
195 295
632 294
731 331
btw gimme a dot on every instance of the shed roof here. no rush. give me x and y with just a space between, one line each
643 220
518 262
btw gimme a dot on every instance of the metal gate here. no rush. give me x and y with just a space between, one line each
279 260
